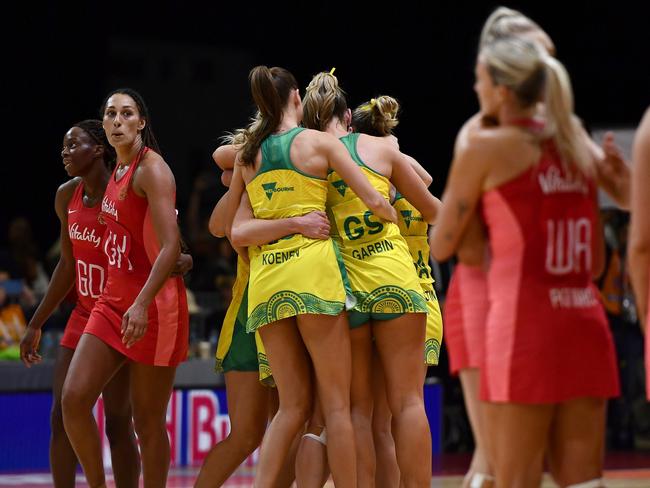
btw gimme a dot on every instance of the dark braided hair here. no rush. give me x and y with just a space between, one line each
148 137
95 130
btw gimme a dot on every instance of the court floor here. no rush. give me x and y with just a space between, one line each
623 470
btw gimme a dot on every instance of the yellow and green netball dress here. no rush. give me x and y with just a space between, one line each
414 230
294 275
376 256
237 350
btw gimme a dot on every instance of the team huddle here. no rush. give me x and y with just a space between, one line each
334 318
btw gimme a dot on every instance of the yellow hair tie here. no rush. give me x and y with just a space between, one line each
373 102
332 71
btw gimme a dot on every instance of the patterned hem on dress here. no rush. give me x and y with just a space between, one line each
431 352
390 299
288 303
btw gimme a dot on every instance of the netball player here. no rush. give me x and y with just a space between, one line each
88 158
639 244
141 318
549 361
390 301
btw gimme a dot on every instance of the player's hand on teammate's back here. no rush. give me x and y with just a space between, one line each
184 265
314 225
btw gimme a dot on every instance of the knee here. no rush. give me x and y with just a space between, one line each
382 433
362 408
74 402
297 411
118 427
248 438
148 427
400 402
361 417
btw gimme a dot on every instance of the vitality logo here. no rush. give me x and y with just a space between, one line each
408 218
340 186
270 189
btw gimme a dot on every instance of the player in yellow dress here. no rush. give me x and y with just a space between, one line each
390 301
378 117
241 356
296 291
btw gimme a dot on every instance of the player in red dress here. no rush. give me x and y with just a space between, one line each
141 317
549 358
88 159
466 305
639 243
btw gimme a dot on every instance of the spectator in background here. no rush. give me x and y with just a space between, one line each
206 190
24 257
616 293
12 319
215 261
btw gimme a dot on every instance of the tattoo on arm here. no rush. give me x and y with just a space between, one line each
462 209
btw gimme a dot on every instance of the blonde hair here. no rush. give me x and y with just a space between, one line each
377 117
323 101
238 137
534 76
270 89
506 22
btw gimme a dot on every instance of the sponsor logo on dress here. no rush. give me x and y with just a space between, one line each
340 186
552 181
108 206
85 235
271 188
408 217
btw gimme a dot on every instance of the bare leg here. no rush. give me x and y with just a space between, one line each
288 472
328 340
63 460
577 441
387 472
93 365
151 388
291 368
248 408
399 343
361 398
470 381
312 469
518 458
119 430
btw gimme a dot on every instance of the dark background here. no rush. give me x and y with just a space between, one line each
190 61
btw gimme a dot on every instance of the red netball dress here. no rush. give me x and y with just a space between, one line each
464 316
85 230
547 338
131 246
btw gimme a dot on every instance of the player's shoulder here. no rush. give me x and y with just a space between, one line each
68 188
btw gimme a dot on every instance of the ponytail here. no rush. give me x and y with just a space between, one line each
270 89
563 124
378 117
324 100
534 76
